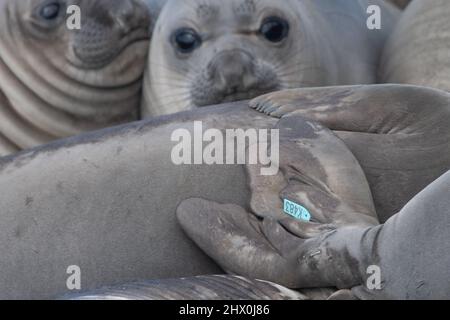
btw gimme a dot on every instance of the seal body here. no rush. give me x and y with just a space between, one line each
116 221
208 52
57 82
418 51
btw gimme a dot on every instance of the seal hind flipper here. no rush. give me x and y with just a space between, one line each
235 239
384 126
318 172
261 249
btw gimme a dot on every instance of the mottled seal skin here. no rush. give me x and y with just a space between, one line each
219 287
56 82
210 52
117 221
399 134
418 52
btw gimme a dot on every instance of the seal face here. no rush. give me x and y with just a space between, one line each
210 52
57 82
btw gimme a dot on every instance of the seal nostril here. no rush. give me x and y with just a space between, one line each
231 70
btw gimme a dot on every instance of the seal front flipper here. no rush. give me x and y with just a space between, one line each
264 249
384 109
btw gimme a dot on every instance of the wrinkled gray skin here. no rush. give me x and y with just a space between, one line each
117 234
220 287
328 43
385 126
419 50
56 82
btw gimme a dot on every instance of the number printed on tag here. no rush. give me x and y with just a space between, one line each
296 210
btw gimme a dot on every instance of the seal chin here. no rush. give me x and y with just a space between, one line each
99 56
245 95
213 97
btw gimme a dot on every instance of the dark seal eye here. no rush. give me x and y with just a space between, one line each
274 29
50 11
186 40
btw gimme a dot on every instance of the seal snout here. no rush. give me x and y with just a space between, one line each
108 29
232 71
233 75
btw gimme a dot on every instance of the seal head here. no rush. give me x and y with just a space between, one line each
211 52
56 80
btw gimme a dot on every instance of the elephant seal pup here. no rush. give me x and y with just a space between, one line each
56 82
209 52
398 133
418 51
220 287
117 221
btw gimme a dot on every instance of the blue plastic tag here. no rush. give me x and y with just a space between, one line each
297 211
